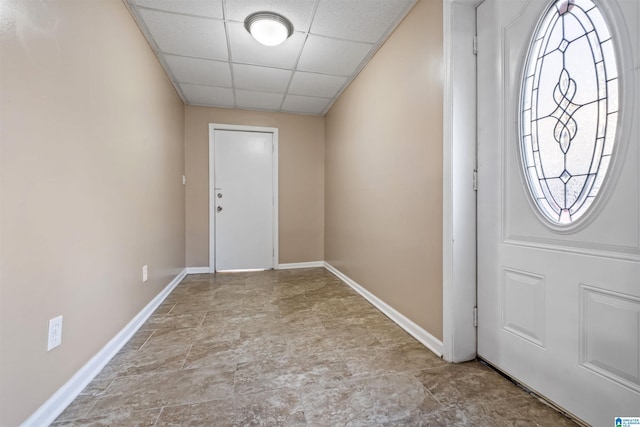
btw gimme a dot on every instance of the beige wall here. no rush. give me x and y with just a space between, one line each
92 153
301 181
383 187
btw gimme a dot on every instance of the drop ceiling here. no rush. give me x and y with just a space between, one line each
213 61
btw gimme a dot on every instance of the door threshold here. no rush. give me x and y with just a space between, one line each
244 270
533 393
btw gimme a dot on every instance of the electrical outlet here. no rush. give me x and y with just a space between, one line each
55 333
145 273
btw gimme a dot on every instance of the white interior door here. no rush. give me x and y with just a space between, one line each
558 264
244 200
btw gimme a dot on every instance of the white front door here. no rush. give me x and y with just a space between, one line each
558 260
243 208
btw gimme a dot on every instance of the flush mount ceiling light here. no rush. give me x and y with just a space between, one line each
268 28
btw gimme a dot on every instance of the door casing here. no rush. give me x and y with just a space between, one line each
459 198
212 218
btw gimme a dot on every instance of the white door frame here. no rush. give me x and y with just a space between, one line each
212 208
459 198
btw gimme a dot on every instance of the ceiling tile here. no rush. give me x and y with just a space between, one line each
208 8
305 104
349 20
297 11
199 71
258 100
316 84
208 95
331 56
186 35
246 49
262 79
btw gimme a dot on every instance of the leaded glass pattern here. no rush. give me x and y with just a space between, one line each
569 109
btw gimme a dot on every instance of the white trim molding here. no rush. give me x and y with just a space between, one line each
459 197
198 270
311 264
428 340
447 184
57 403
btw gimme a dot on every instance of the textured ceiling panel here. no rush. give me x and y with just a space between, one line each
258 100
261 79
305 104
332 56
316 84
199 71
208 95
213 61
350 21
187 35
208 8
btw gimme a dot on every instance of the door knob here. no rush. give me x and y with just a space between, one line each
219 208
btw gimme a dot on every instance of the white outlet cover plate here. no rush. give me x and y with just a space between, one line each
55 333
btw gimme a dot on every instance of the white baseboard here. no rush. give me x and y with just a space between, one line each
198 270
312 264
293 265
428 340
57 403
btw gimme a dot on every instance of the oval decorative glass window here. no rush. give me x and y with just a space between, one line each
568 109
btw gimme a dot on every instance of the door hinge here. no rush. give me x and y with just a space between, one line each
475 180
475 317
475 45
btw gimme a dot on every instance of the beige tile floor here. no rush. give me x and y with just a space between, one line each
290 348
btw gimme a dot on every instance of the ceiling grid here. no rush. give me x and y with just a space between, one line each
213 61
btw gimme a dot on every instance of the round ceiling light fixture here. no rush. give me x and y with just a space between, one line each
268 28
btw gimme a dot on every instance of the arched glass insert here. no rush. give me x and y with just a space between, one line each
568 109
